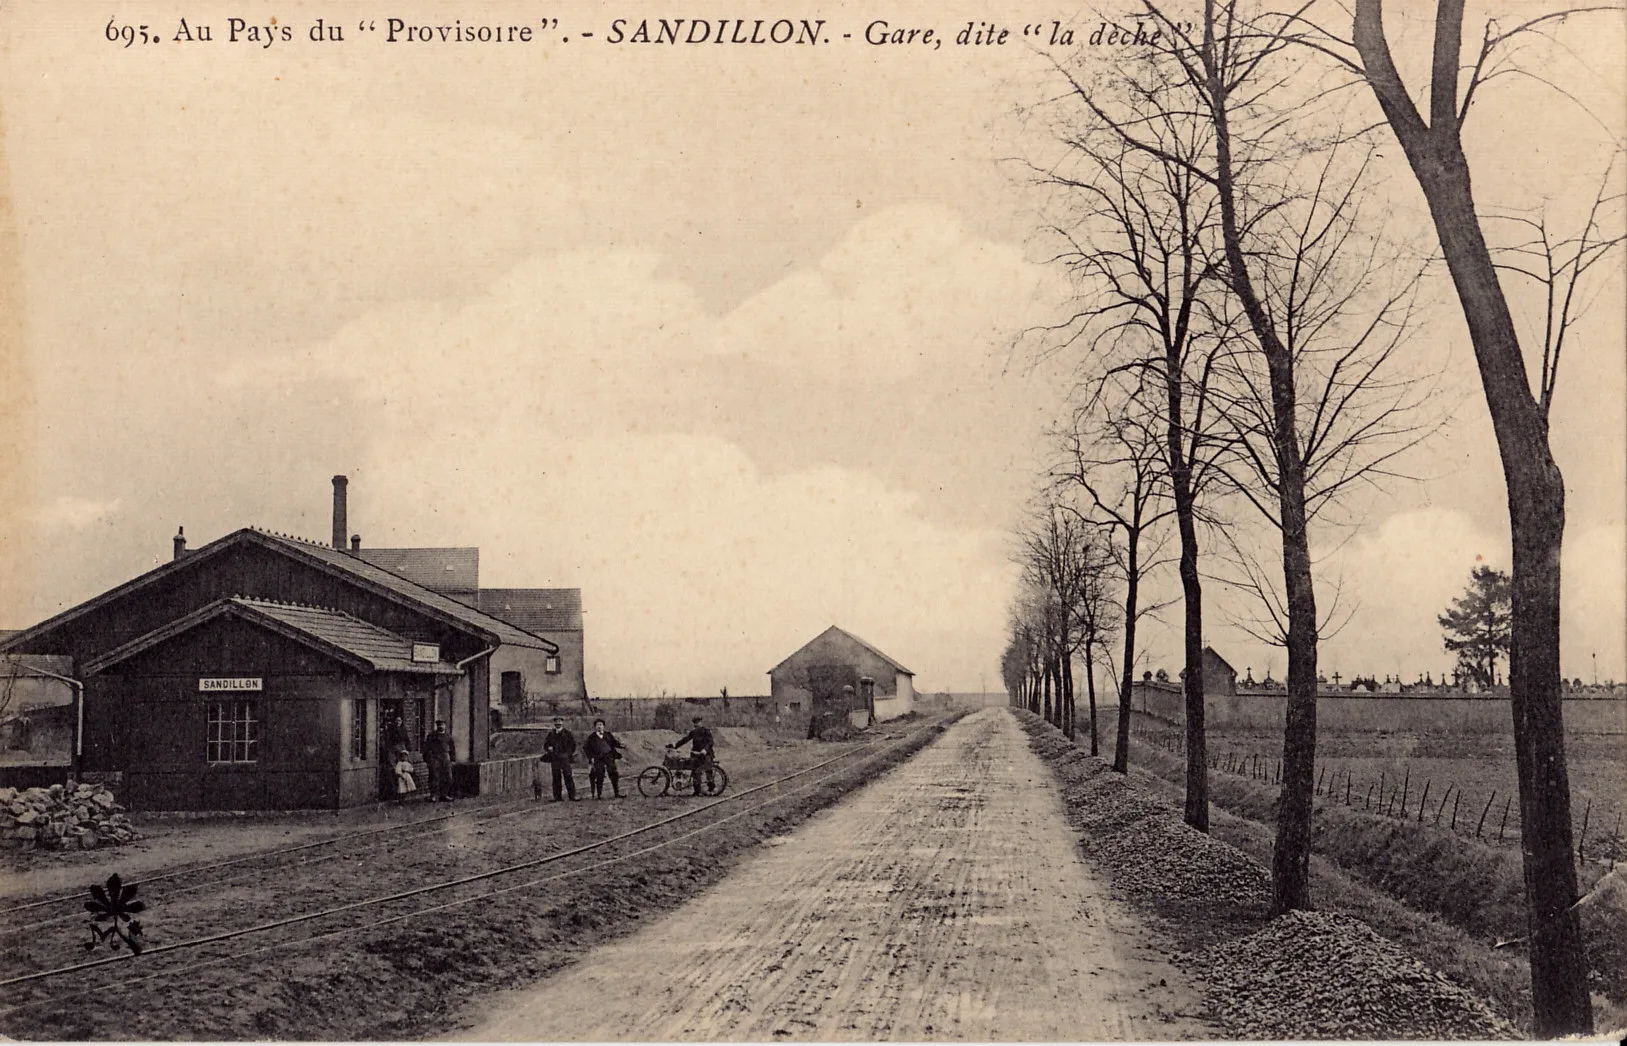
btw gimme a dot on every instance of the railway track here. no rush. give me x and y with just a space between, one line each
328 915
252 866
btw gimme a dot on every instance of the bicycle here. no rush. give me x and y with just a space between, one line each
675 774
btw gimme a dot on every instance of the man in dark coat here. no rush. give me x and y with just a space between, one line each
602 750
699 740
559 748
438 754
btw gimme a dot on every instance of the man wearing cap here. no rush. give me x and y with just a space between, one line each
559 748
602 749
438 754
699 740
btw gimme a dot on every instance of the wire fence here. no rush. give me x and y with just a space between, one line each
1423 799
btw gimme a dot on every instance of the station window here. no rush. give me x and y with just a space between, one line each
234 732
358 729
551 666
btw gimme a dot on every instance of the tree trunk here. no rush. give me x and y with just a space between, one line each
1121 746
1536 509
1291 853
1180 480
1064 691
1045 692
1090 695
1063 714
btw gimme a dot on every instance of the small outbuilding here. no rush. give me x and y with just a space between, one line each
251 704
837 674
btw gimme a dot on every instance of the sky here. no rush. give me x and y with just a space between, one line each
729 338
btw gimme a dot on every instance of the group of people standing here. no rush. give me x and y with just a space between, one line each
602 749
437 752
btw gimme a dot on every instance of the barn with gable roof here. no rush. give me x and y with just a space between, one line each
837 674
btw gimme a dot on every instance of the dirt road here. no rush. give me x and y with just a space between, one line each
943 901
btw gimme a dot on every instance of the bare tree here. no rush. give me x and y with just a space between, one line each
1433 143
1117 461
1096 613
1268 135
1140 227
1066 574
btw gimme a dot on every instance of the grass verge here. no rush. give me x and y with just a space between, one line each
1446 898
1327 976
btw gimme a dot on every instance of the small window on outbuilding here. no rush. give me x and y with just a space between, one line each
551 665
358 729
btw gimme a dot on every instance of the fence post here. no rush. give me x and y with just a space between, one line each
1319 780
1442 808
1484 812
1423 801
1405 781
1455 803
1581 840
1381 792
1369 803
1500 827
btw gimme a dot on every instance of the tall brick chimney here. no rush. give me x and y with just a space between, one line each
180 542
340 524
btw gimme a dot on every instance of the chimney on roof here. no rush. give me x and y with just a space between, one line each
180 542
340 524
355 544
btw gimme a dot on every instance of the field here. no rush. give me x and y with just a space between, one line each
1470 889
1468 776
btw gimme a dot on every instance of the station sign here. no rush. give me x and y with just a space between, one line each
430 652
230 684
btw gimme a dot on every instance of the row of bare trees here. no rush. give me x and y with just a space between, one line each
1246 341
1065 613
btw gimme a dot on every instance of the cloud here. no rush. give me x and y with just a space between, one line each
721 487
904 291
699 571
76 512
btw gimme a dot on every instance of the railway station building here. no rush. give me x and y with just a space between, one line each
263 671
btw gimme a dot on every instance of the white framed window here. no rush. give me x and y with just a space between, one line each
551 665
234 732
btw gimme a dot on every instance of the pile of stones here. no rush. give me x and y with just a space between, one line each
1161 855
1315 975
62 817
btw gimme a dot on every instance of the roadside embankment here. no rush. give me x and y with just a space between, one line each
1302 976
1472 887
